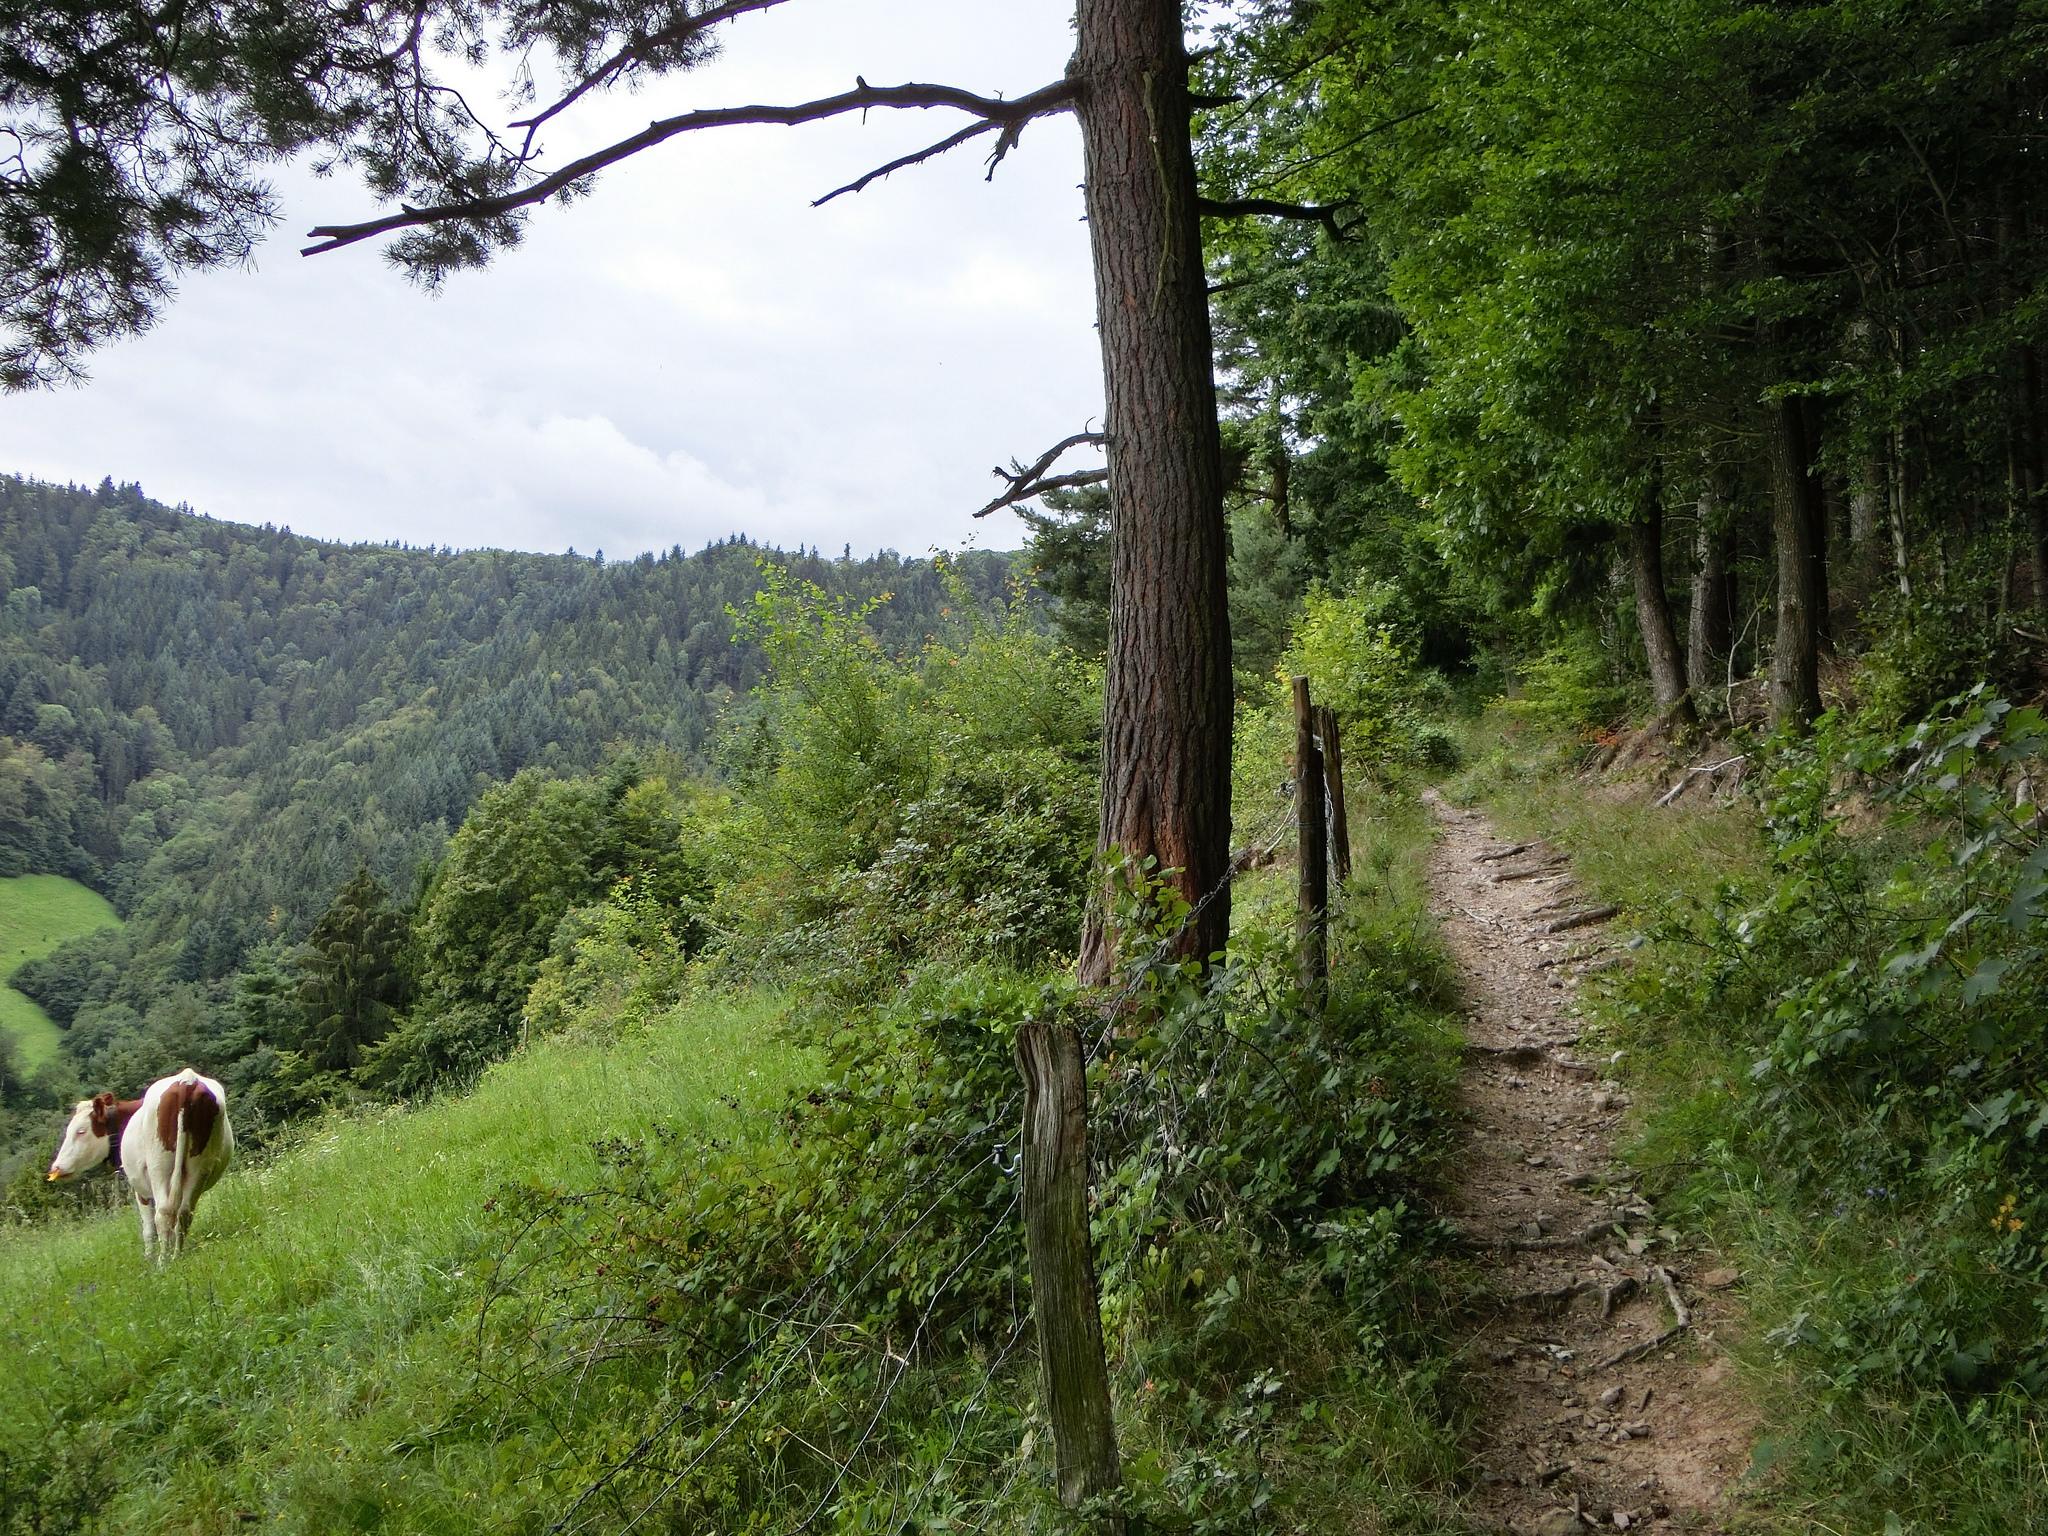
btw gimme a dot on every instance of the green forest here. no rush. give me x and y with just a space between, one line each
640 986
236 734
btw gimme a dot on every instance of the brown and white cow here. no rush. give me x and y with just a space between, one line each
175 1142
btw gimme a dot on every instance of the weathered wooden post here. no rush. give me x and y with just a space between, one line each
1333 769
1063 1299
1312 910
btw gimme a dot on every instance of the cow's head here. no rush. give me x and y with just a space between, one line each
88 1139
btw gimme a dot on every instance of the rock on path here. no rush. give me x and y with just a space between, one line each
1597 1409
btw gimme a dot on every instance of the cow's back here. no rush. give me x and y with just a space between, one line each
149 1145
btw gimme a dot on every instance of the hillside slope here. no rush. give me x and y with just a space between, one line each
307 1363
37 913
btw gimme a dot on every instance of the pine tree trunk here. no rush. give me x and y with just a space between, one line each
1795 664
1866 495
1711 622
1653 612
1167 720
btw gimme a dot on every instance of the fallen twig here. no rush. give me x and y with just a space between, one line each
1505 853
1599 1231
1614 1294
1556 1296
1708 771
1682 1320
1583 919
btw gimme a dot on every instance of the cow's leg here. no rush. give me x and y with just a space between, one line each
166 1231
185 1222
147 1213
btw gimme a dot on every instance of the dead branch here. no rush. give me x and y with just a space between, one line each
918 157
1505 853
1711 770
1595 1232
1047 100
1681 1320
1614 1294
1583 919
1324 214
1549 1300
1022 482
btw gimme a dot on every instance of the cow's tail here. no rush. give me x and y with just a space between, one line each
178 1157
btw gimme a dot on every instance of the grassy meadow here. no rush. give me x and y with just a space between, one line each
37 913
305 1366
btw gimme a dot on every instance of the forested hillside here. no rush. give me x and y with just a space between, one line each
217 726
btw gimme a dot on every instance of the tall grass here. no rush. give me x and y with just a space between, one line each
306 1365
37 913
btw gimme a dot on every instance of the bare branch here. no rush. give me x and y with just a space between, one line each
1324 214
953 141
1024 482
1057 97
635 51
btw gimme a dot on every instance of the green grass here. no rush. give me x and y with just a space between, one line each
306 1365
37 913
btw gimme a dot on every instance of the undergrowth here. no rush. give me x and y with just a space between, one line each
841 1333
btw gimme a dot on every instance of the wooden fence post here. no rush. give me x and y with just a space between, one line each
1063 1297
1340 817
1312 910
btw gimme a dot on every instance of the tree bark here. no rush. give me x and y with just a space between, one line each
1867 494
2034 470
1711 621
1063 1298
1653 612
1167 721
1795 505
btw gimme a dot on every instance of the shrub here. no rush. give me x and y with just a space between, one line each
894 810
1889 992
1570 686
1358 665
1935 644
812 1316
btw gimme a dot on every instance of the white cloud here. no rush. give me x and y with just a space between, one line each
692 350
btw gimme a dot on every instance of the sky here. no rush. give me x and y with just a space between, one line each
691 352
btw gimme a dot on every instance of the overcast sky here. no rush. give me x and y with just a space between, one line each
691 352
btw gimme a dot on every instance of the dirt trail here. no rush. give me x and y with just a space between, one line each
1594 1413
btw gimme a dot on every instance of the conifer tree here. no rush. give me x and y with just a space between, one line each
351 976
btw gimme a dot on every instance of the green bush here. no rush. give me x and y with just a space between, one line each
817 1312
1888 991
1358 665
895 810
1936 643
1570 686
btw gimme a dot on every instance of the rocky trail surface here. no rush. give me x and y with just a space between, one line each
1605 1398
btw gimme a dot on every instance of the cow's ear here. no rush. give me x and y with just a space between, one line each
101 1103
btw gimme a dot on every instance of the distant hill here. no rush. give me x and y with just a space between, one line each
37 913
214 724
